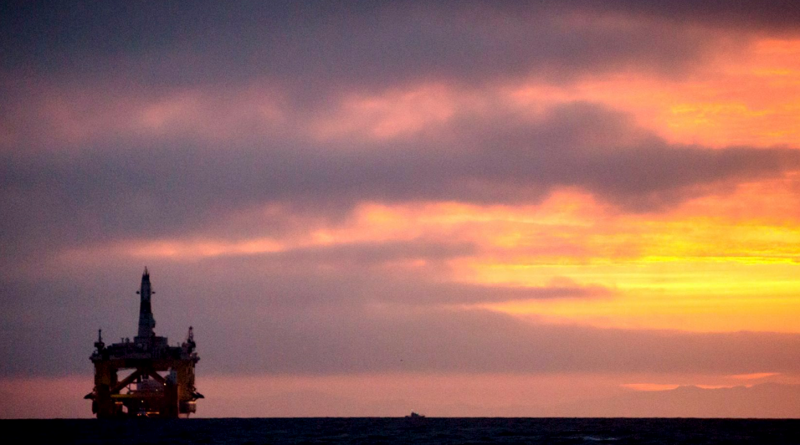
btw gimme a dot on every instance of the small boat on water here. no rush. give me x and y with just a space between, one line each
414 415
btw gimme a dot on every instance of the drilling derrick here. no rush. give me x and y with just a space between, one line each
145 391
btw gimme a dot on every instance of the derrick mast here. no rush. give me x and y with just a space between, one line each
145 391
146 320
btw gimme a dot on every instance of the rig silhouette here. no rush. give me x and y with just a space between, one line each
146 392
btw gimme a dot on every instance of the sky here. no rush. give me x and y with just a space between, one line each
366 208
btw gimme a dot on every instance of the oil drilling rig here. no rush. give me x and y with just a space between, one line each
145 391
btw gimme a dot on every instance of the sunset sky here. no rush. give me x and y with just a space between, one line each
364 208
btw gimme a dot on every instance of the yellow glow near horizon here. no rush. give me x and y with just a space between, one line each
681 271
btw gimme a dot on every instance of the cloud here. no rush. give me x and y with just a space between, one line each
476 341
372 254
776 17
131 123
143 190
319 48
316 50
252 318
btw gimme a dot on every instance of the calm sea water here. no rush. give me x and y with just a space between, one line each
407 431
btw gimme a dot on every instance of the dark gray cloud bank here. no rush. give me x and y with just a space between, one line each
363 43
317 46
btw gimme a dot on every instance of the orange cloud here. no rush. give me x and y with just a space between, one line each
755 376
649 386
744 96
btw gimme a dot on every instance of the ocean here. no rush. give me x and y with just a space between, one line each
406 431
